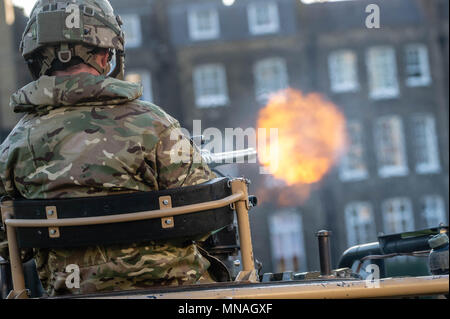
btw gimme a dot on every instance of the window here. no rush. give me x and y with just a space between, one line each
390 147
360 223
203 23
288 249
397 215
352 165
270 77
263 17
210 86
425 144
433 210
342 67
382 73
417 67
132 29
145 79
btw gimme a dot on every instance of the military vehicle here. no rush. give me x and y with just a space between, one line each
211 207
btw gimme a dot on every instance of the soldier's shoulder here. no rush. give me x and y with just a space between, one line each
16 138
153 113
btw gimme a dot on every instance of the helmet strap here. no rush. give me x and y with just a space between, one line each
47 61
89 57
119 70
66 53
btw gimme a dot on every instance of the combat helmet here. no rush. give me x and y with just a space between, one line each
63 32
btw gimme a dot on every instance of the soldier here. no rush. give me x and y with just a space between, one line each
85 133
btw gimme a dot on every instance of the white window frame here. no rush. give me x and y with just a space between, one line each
286 237
264 89
382 70
433 217
400 169
210 100
402 220
431 145
343 71
193 24
360 223
346 173
274 17
132 21
424 66
146 81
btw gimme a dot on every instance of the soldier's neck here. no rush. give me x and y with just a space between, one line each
77 69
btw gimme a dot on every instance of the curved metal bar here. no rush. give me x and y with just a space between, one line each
239 198
357 252
110 219
316 289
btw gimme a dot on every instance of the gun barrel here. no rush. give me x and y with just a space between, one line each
218 159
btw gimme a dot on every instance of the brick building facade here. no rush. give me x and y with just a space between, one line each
203 60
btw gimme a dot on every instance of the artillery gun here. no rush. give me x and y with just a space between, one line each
176 213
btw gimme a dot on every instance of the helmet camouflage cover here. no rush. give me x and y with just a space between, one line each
64 29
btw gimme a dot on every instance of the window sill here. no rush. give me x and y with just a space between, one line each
353 176
264 98
418 82
265 30
346 89
428 170
384 94
393 172
384 97
204 37
212 102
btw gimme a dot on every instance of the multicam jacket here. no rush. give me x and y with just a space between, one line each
88 135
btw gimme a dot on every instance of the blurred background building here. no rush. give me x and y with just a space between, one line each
219 60
12 67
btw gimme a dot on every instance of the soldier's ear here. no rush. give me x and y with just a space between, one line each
103 58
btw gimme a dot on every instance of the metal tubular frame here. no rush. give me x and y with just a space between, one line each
317 289
238 200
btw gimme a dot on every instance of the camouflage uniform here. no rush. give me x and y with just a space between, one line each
86 135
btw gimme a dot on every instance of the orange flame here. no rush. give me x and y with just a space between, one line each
311 136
